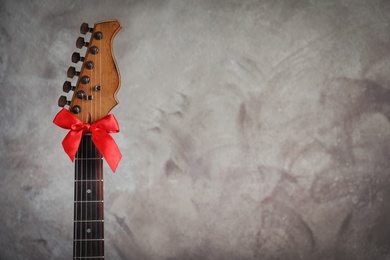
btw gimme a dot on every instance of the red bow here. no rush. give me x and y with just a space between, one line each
99 130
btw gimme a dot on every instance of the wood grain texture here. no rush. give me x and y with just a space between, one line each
105 74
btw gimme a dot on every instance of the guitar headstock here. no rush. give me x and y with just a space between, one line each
98 79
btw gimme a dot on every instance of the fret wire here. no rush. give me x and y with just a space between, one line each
86 159
89 257
86 180
86 221
95 239
87 201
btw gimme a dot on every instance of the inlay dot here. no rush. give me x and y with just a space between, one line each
88 230
89 191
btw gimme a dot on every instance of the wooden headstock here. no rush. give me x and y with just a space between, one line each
99 78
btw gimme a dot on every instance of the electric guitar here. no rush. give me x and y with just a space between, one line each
98 82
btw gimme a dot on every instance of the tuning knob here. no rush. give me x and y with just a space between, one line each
84 28
80 43
72 72
76 57
98 35
94 50
68 87
76 109
89 65
80 94
62 101
84 79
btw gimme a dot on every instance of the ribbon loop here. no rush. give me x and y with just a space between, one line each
99 130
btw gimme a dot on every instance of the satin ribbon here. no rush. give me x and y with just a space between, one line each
99 130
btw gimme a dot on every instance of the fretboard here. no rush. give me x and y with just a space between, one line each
88 232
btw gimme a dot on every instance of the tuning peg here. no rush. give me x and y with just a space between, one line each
84 28
80 94
68 87
80 43
94 50
85 79
62 101
76 57
89 65
72 72
75 109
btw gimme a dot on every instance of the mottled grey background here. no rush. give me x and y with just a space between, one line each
249 129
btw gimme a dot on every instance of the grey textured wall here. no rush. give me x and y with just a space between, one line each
249 129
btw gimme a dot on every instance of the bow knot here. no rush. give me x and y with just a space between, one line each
99 130
86 128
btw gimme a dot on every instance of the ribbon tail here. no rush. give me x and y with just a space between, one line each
71 143
108 148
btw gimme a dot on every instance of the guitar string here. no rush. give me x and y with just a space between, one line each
94 147
93 114
101 247
99 113
76 183
75 230
88 161
85 183
80 187
84 217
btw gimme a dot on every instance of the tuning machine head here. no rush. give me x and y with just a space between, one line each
72 72
84 28
76 57
62 101
80 43
68 87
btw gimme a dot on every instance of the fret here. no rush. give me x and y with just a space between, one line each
95 239
88 158
100 220
87 180
89 257
88 224
88 201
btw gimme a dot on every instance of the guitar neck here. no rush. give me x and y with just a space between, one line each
88 226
